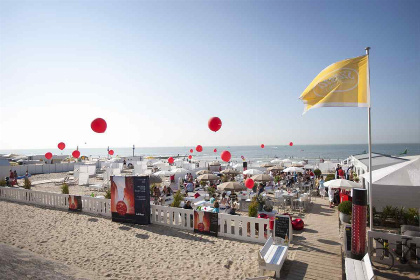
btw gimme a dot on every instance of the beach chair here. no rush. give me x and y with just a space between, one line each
271 257
99 187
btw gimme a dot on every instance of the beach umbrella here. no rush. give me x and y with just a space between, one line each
180 170
164 173
277 160
230 171
262 178
275 168
342 183
286 160
201 172
268 164
294 169
231 186
214 163
297 164
252 172
207 177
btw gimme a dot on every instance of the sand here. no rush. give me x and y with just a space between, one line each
111 250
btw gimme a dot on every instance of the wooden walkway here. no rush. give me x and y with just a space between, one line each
316 251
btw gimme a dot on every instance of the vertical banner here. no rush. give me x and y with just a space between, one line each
75 203
206 223
130 199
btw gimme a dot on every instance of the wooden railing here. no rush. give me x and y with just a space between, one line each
55 200
232 226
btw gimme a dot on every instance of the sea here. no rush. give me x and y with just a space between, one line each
249 153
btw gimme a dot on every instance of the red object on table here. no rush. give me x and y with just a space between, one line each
263 216
196 195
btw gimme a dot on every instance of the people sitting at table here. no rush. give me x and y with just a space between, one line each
260 189
215 207
189 187
187 205
232 197
213 198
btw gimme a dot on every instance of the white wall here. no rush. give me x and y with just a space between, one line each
407 196
36 168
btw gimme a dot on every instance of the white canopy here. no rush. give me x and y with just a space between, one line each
277 160
308 166
164 173
179 170
294 169
286 160
252 172
342 184
400 174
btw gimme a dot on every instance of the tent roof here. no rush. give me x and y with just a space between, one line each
379 160
406 173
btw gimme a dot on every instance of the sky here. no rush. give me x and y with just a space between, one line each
156 71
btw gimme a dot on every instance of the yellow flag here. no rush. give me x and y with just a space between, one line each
342 84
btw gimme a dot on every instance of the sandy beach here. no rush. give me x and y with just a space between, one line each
109 250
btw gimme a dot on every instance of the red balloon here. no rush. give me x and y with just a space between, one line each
191 150
215 150
190 156
75 154
111 152
61 145
215 124
171 160
225 155
98 125
262 146
249 183
48 155
291 144
199 148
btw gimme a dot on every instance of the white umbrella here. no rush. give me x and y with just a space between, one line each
158 162
207 177
277 160
262 178
294 169
309 166
164 173
252 172
180 170
286 160
201 172
342 183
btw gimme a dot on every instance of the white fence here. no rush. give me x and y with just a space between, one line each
232 226
394 244
89 204
37 168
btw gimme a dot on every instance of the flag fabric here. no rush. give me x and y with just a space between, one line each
342 84
405 152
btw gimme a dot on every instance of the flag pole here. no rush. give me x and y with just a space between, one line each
370 150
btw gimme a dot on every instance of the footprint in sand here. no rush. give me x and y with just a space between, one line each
228 264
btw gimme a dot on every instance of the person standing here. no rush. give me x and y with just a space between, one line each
321 186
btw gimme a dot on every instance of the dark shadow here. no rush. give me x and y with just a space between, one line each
142 236
93 220
309 230
126 228
389 274
298 237
293 269
329 242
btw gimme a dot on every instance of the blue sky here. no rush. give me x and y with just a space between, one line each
158 70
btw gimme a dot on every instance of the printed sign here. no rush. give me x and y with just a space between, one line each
206 223
75 203
130 199
281 228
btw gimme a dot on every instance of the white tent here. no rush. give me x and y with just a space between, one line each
164 173
277 160
400 174
294 169
252 172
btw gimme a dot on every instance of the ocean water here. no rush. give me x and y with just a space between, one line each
310 152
